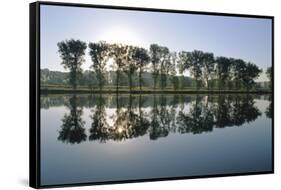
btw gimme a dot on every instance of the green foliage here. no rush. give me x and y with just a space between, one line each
208 66
223 70
155 68
141 59
251 73
72 54
269 75
99 53
155 56
239 70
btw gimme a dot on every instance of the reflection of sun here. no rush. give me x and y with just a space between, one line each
120 129
120 34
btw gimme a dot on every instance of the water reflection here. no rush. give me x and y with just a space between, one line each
72 129
121 117
268 111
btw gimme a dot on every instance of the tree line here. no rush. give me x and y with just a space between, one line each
208 71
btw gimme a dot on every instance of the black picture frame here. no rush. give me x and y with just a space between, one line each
34 91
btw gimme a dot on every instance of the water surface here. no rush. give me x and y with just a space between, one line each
93 138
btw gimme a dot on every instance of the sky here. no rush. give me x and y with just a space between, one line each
237 37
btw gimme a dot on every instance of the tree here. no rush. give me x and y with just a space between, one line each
173 72
223 70
130 66
251 73
164 66
238 69
183 64
99 55
269 75
208 67
72 54
119 53
155 56
194 63
141 59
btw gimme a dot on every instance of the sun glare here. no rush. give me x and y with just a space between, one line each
121 34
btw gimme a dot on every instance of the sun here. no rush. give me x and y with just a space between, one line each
121 34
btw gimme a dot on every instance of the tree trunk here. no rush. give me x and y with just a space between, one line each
196 81
140 83
100 83
154 82
74 81
117 81
130 81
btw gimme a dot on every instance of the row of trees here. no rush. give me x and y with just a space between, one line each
207 70
131 120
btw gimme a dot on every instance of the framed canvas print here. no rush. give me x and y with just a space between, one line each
122 94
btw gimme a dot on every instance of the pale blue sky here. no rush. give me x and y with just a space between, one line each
246 38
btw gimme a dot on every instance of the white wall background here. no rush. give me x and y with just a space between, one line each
14 77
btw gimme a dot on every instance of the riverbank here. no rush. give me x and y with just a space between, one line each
149 91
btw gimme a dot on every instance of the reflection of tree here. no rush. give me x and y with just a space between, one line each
129 124
162 118
143 123
99 126
155 124
222 112
72 130
199 119
167 114
226 112
268 111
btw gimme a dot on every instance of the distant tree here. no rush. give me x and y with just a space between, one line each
208 67
155 56
251 73
72 54
99 54
223 70
269 75
119 53
141 59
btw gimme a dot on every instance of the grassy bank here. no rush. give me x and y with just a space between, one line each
62 90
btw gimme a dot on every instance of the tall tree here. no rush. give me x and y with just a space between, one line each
119 53
223 70
99 54
155 56
269 75
252 72
72 54
164 66
141 59
208 67
238 69
183 64
173 72
130 66
194 62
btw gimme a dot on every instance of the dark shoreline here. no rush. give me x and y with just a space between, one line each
85 91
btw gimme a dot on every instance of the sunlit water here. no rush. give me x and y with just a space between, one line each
93 138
